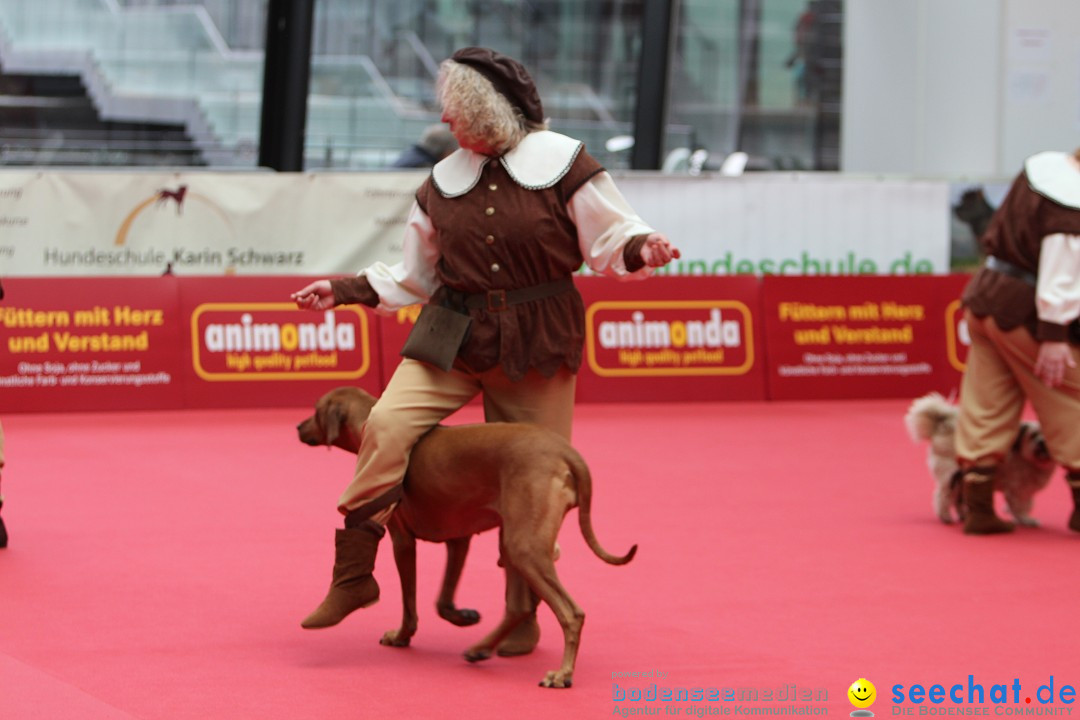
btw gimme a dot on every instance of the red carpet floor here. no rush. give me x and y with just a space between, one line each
160 563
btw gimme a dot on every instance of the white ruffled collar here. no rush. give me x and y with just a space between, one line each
539 161
1052 175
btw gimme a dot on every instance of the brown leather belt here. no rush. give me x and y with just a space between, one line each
1007 268
498 300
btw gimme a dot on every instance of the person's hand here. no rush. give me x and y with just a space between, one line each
316 296
657 251
1054 358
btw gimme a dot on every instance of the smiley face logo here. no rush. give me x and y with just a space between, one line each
862 693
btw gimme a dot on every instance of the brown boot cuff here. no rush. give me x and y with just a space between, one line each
369 526
1073 478
357 517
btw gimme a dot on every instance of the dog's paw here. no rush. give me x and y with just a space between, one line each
396 638
557 679
462 617
476 654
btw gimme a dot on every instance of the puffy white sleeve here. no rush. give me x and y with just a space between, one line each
1057 293
413 279
605 224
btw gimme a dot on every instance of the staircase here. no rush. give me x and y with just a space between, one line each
49 120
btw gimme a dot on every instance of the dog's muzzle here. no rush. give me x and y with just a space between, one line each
306 436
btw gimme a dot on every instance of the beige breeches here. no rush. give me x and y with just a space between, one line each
999 378
420 396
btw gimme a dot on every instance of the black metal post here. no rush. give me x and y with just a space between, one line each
650 113
286 72
747 70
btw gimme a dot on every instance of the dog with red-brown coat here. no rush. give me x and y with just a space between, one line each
466 479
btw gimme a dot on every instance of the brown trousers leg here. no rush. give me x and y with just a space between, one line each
553 408
547 402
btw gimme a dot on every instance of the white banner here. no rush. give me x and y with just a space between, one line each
117 223
211 223
798 224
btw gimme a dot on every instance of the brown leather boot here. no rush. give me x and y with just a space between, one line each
353 586
980 517
1073 478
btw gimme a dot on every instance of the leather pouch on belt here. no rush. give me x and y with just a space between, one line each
437 336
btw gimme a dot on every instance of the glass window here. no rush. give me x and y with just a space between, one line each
761 77
758 76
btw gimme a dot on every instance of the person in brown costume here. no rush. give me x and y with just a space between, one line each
3 528
491 243
1021 310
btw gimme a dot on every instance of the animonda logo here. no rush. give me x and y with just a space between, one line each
275 341
669 338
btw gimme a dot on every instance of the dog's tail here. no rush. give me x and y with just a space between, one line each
583 479
928 413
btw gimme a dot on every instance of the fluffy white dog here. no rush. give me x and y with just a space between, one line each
1026 469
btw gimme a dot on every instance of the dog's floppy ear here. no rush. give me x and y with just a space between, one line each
331 421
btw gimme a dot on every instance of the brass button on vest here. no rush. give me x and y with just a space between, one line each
494 267
493 186
490 239
490 211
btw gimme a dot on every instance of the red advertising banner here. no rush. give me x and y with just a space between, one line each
671 339
863 336
89 344
393 330
685 338
957 339
249 346
144 343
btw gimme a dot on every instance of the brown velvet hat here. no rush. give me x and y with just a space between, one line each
508 76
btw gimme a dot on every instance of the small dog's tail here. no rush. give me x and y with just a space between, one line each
583 479
928 413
